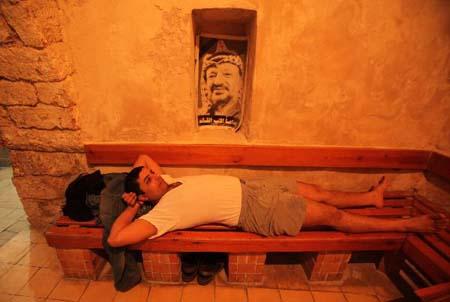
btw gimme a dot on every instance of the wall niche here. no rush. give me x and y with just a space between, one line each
224 63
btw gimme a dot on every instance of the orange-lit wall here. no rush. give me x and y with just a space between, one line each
353 73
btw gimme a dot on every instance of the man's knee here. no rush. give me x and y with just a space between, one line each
336 218
313 192
321 214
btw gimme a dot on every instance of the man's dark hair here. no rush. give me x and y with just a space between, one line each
131 181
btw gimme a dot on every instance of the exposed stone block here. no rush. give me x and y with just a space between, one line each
17 93
51 209
36 22
41 187
4 118
44 117
22 63
40 222
6 34
57 93
41 212
47 163
42 140
31 206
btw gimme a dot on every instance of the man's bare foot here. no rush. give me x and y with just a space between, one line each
430 223
378 192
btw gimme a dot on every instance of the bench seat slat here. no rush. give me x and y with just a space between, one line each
398 194
391 212
65 220
398 203
438 244
197 241
439 292
427 207
421 208
445 236
430 206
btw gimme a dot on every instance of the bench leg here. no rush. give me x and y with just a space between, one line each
80 263
162 267
246 268
393 265
326 266
390 264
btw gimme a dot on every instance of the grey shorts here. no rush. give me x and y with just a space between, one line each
271 207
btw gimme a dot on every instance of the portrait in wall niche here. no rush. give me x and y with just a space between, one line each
221 82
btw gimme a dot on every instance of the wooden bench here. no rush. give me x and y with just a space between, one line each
421 268
327 252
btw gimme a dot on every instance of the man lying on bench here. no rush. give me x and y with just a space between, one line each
266 207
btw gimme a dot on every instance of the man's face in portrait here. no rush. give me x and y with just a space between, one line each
223 82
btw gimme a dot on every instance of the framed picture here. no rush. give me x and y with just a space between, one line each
221 72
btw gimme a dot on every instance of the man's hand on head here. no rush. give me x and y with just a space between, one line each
125 229
131 199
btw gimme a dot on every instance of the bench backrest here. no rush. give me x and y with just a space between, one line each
271 156
257 155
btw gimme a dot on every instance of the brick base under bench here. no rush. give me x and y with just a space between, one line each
161 267
246 268
80 263
327 266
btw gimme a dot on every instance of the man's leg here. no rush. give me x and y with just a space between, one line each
340 199
321 214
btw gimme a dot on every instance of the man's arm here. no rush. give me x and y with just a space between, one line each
125 231
146 161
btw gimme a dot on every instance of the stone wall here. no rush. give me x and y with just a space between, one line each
38 115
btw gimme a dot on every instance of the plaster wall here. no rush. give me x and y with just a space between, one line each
353 73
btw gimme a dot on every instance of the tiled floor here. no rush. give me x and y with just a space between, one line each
29 271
